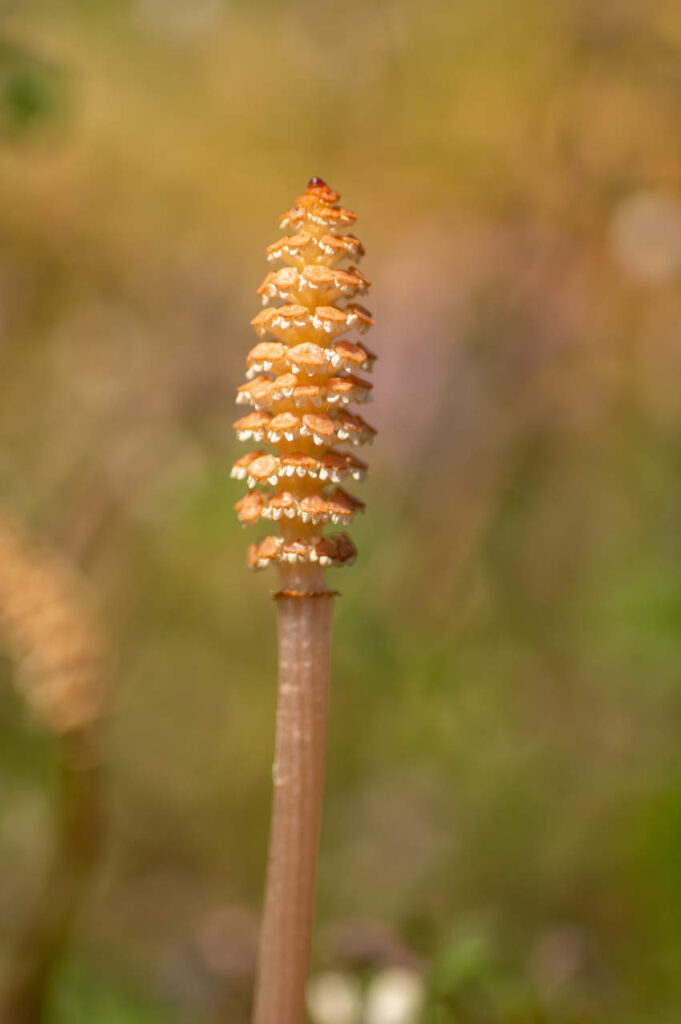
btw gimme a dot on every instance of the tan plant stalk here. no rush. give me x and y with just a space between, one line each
301 378
50 632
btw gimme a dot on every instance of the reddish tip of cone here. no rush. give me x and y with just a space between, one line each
317 183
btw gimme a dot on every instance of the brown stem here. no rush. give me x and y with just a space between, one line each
78 836
304 626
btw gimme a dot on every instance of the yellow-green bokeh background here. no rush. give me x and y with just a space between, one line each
504 772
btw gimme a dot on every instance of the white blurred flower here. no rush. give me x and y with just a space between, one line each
645 235
395 996
334 998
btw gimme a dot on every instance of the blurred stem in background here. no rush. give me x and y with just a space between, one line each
78 831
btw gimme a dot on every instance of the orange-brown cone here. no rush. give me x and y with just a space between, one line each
301 377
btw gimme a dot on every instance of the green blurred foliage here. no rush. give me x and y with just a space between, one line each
504 779
84 994
31 93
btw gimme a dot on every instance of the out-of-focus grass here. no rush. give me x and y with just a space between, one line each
86 994
504 771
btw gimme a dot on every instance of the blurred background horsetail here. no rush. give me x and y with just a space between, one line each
48 628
